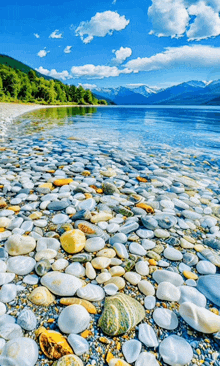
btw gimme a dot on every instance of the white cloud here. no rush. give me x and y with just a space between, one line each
36 35
168 17
198 19
192 57
100 25
55 34
122 54
67 49
114 2
97 72
43 53
206 23
43 71
88 86
54 74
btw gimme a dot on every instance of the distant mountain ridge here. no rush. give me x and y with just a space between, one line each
193 92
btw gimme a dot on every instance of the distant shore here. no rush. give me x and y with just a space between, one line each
9 111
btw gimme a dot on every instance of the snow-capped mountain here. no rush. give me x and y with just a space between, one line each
188 93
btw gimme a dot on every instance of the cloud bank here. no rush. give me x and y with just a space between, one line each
197 19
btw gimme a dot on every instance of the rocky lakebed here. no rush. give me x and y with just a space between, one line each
108 256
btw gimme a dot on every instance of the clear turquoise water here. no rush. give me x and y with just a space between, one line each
178 127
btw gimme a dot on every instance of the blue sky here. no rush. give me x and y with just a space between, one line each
116 42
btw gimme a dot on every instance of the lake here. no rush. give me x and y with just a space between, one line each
176 127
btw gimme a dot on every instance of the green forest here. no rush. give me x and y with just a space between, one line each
17 86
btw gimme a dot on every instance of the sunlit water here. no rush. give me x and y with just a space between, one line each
177 127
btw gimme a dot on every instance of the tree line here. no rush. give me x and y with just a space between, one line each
16 85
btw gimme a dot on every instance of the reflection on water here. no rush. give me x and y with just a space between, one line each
179 127
49 119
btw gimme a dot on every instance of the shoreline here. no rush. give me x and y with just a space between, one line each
9 111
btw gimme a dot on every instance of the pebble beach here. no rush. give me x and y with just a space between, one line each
108 256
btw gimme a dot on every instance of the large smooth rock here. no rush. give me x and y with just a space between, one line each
191 294
23 351
176 351
209 286
74 319
167 291
206 268
121 313
61 284
199 318
168 276
20 244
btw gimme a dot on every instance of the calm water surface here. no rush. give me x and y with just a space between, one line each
179 127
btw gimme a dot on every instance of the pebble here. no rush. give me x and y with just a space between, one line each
27 319
121 250
73 241
90 272
111 289
76 269
168 276
183 351
91 292
41 296
149 302
142 268
18 244
167 291
172 254
74 319
165 318
8 293
94 244
209 286
206 268
147 335
191 294
21 265
78 344
146 358
136 248
132 277
22 351
61 284
146 288
131 350
160 233
100 262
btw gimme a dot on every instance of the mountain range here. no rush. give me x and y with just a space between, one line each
187 93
